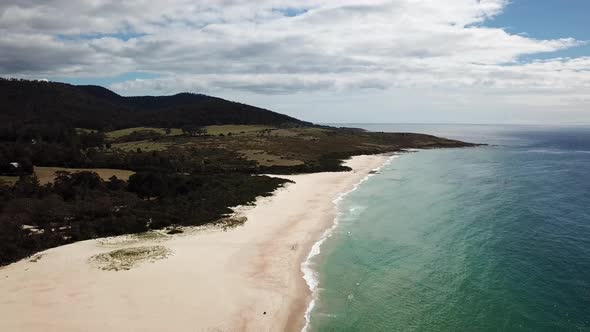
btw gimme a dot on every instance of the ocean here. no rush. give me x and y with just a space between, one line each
493 238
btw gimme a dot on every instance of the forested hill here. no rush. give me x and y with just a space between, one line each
95 107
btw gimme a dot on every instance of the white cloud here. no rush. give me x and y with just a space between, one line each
248 46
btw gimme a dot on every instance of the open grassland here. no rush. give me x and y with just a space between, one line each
236 129
301 149
309 132
263 158
258 131
10 180
47 174
258 148
112 135
216 130
146 145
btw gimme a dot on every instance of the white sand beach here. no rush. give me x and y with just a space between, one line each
243 279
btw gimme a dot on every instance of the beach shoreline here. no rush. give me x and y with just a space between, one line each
249 278
309 274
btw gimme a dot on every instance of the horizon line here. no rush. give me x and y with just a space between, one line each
454 124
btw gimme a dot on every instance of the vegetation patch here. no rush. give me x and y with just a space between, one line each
236 129
142 146
47 175
174 230
80 206
36 258
8 180
266 159
128 258
113 135
309 133
126 240
231 222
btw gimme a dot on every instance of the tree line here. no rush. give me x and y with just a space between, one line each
80 206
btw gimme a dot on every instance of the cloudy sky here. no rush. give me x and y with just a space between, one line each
452 61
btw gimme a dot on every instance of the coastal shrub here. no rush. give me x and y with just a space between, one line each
80 206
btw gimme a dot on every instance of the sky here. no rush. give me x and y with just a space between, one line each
326 61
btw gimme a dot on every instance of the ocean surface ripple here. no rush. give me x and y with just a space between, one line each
493 238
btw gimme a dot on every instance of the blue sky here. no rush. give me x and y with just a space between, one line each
548 19
291 12
472 61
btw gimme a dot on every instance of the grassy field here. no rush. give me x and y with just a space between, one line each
47 174
265 159
112 135
10 180
146 146
299 132
236 129
291 147
218 130
85 131
299 148
211 130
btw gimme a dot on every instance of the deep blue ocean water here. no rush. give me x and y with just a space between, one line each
493 238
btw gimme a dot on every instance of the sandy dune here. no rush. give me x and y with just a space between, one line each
202 280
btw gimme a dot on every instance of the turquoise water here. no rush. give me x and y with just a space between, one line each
486 239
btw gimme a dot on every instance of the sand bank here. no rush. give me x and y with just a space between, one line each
247 278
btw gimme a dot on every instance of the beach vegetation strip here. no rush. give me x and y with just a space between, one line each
80 206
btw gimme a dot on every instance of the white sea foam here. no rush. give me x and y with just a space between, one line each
355 210
309 274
